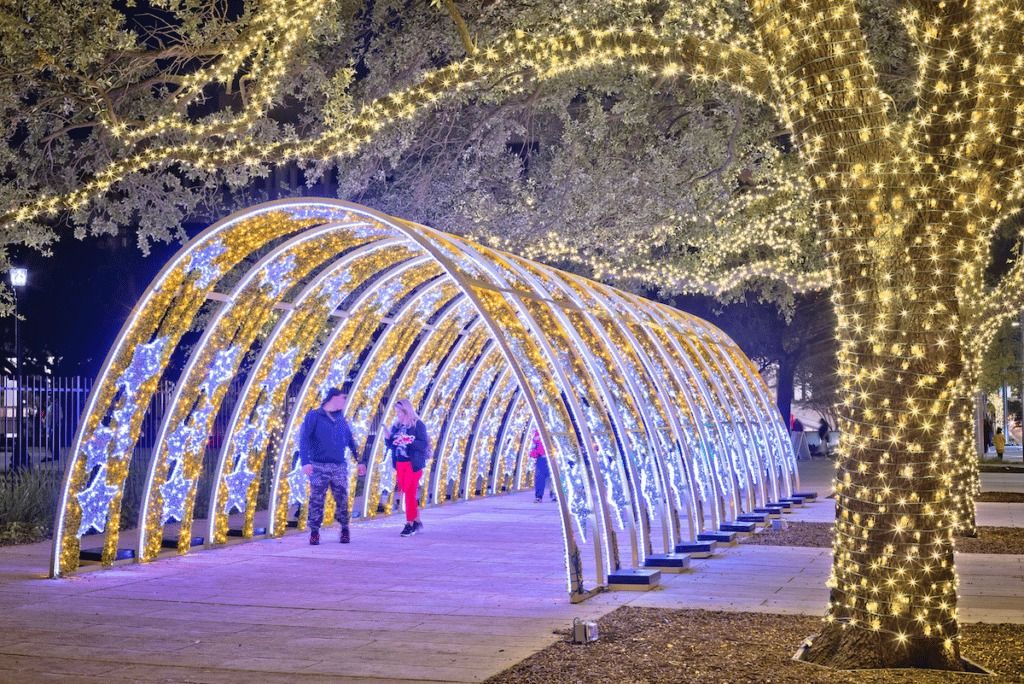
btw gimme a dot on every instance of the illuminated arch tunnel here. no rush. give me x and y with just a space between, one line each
659 429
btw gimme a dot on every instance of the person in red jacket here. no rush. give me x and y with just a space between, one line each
542 470
409 445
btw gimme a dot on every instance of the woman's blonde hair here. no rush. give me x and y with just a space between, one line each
403 405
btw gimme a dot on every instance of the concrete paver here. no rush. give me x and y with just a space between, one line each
483 588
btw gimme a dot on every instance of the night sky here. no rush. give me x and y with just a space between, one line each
77 300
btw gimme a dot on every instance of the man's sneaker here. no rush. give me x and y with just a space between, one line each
537 500
344 538
417 526
314 538
553 498
408 530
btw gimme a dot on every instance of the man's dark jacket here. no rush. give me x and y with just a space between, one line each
323 438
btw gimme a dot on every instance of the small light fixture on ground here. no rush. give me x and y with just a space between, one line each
583 631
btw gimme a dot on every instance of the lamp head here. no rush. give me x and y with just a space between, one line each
19 277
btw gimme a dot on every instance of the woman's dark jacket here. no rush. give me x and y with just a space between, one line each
416 452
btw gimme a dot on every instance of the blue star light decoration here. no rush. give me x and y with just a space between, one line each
96 447
297 484
95 503
245 440
190 437
174 492
389 294
368 230
430 301
275 275
238 487
204 262
114 441
146 362
337 373
222 369
253 437
337 288
281 368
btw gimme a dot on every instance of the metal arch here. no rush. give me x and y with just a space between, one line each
463 389
192 375
450 314
698 349
722 348
409 308
573 563
288 436
443 391
769 415
720 402
754 448
503 291
466 328
285 329
757 393
499 438
718 354
648 373
640 540
753 386
518 421
490 380
727 454
469 470
656 353
701 399
483 440
512 297
377 368
630 375
120 356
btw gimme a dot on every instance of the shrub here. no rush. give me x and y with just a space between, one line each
29 496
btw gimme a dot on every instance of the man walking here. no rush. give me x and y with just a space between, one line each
323 438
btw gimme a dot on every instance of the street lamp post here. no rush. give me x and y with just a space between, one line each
19 278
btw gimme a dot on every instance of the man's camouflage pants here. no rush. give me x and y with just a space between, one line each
335 476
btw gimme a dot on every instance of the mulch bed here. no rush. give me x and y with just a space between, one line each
993 540
1001 497
1002 540
662 645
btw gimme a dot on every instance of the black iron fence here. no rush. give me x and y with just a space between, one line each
39 416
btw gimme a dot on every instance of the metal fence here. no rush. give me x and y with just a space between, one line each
50 409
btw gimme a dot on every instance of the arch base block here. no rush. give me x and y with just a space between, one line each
698 549
724 538
172 542
759 518
668 562
96 554
740 527
634 579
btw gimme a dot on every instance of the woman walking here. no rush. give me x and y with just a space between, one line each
410 448
541 472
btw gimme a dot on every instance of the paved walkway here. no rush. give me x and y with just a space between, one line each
483 588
